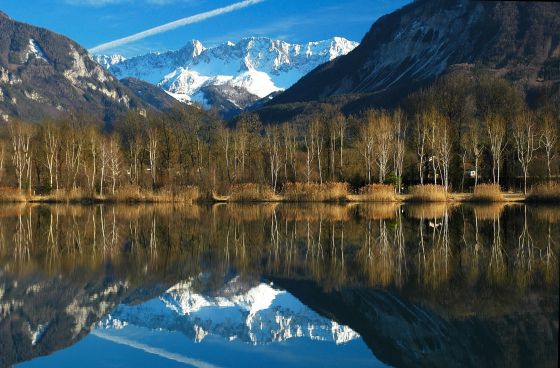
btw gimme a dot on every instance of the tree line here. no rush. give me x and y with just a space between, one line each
457 133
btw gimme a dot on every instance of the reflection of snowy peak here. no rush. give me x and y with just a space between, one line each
258 65
258 316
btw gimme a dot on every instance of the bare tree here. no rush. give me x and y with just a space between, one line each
317 131
383 142
399 126
51 139
443 148
342 124
2 154
91 153
153 141
433 118
422 130
273 148
549 139
115 162
526 142
309 141
496 129
290 149
21 135
135 151
472 142
224 137
336 127
72 154
104 161
366 143
240 149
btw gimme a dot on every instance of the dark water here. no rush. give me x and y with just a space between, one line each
279 285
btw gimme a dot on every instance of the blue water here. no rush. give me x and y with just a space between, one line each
262 326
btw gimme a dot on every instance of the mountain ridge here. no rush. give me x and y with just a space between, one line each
409 48
45 74
258 66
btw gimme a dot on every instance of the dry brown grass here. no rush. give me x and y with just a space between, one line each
549 192
428 193
250 192
313 192
487 193
376 193
125 194
11 195
61 196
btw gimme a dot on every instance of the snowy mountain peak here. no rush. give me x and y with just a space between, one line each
258 65
192 49
108 60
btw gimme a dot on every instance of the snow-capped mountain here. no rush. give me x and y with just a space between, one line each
258 66
256 315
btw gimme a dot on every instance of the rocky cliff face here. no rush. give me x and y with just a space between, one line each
412 46
44 74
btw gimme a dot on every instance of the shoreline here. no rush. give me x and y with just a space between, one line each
352 198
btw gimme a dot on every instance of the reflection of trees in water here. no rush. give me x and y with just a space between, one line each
332 244
434 252
23 236
496 267
551 261
525 253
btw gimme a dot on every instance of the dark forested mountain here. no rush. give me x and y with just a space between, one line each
45 74
410 47
151 94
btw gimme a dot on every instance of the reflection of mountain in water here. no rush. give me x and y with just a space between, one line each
258 315
467 291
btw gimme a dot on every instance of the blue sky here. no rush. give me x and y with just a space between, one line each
94 22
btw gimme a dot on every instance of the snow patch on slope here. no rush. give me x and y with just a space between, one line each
33 48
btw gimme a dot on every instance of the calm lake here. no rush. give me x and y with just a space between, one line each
279 285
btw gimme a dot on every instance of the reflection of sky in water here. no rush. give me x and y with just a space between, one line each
254 326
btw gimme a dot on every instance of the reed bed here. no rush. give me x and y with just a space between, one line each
134 194
251 192
375 193
12 195
314 192
428 193
487 193
545 193
126 194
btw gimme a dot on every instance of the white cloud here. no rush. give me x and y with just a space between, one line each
173 25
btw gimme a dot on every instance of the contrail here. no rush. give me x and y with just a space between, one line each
152 350
176 24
